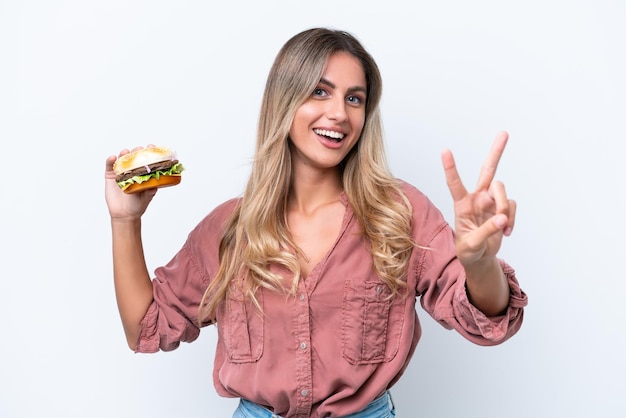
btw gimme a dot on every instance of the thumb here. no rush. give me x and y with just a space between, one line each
500 221
495 225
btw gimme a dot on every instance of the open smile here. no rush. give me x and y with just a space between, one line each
332 135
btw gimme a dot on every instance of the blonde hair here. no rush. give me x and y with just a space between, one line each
256 235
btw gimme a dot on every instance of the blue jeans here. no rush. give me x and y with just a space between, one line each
379 408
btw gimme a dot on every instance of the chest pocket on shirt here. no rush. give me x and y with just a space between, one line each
243 330
371 326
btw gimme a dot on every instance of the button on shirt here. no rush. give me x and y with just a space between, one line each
340 342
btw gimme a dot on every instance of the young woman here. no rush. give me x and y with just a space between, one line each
312 275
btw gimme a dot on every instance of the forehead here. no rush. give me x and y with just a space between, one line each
346 70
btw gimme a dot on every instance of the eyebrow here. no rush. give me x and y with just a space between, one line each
350 90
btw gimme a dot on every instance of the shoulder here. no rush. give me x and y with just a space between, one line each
427 218
214 223
223 210
418 200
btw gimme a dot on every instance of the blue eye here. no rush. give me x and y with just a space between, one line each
319 92
354 100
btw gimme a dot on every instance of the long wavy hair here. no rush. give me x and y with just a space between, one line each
256 235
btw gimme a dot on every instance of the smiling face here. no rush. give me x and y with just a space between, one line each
329 123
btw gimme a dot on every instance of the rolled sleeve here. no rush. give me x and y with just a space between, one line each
484 330
179 286
172 317
441 284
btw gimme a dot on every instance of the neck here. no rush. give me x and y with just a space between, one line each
313 189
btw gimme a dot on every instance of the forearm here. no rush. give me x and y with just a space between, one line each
487 287
133 287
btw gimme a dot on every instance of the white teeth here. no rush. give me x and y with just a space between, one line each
331 134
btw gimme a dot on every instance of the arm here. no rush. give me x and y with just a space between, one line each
482 218
133 286
488 287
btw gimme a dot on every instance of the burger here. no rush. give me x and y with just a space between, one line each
147 168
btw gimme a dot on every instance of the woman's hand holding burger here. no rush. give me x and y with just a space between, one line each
133 177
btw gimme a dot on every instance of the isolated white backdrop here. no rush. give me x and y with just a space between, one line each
79 80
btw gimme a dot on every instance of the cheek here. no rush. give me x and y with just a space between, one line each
358 122
301 119
308 112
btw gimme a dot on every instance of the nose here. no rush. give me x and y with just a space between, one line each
336 109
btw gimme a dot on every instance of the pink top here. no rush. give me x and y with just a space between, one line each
339 343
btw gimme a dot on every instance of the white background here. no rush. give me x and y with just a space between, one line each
80 80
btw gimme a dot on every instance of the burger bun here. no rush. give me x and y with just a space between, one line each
142 157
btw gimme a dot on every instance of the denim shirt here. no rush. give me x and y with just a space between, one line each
340 342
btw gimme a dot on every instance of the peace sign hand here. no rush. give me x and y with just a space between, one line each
483 216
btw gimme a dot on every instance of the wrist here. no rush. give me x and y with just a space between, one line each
483 268
125 220
487 287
